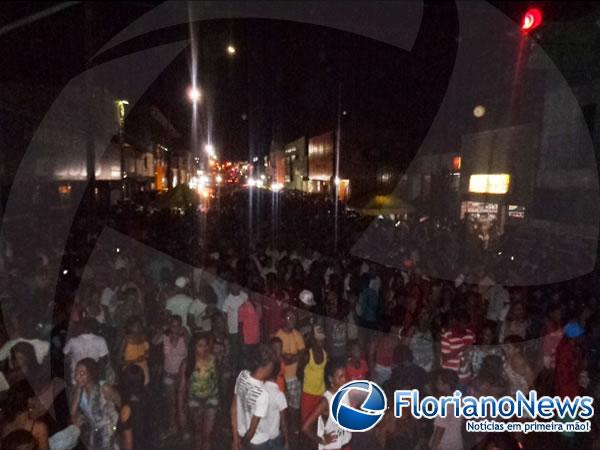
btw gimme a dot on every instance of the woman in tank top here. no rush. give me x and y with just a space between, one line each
198 390
328 435
314 374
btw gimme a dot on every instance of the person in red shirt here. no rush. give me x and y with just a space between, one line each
249 316
569 361
356 367
456 338
552 335
274 304
381 354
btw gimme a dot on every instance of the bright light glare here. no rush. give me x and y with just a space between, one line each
260 183
194 94
276 187
210 149
205 193
219 179
231 50
532 19
337 181
251 182
262 177
479 111
489 183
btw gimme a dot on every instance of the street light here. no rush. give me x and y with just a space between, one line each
479 111
219 179
194 94
210 149
231 50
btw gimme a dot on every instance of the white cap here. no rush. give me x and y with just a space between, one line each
181 282
307 298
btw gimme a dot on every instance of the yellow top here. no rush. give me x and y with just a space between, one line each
135 351
314 375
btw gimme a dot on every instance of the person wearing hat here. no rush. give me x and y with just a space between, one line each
305 317
181 304
569 361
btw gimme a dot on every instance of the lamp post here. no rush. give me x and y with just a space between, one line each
121 114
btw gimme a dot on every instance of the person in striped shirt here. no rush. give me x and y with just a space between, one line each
455 339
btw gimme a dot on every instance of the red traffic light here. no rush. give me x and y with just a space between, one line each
531 19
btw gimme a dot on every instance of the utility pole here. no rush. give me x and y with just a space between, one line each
121 115
90 149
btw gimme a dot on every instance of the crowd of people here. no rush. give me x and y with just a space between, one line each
163 336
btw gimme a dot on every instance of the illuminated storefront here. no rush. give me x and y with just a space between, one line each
320 162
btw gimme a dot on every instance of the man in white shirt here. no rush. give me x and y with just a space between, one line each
203 310
182 305
231 307
86 345
498 300
274 423
251 402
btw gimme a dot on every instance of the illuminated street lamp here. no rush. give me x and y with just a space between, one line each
479 111
231 50
194 94
209 149
251 182
219 179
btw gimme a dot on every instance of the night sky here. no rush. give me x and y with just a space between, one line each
282 83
